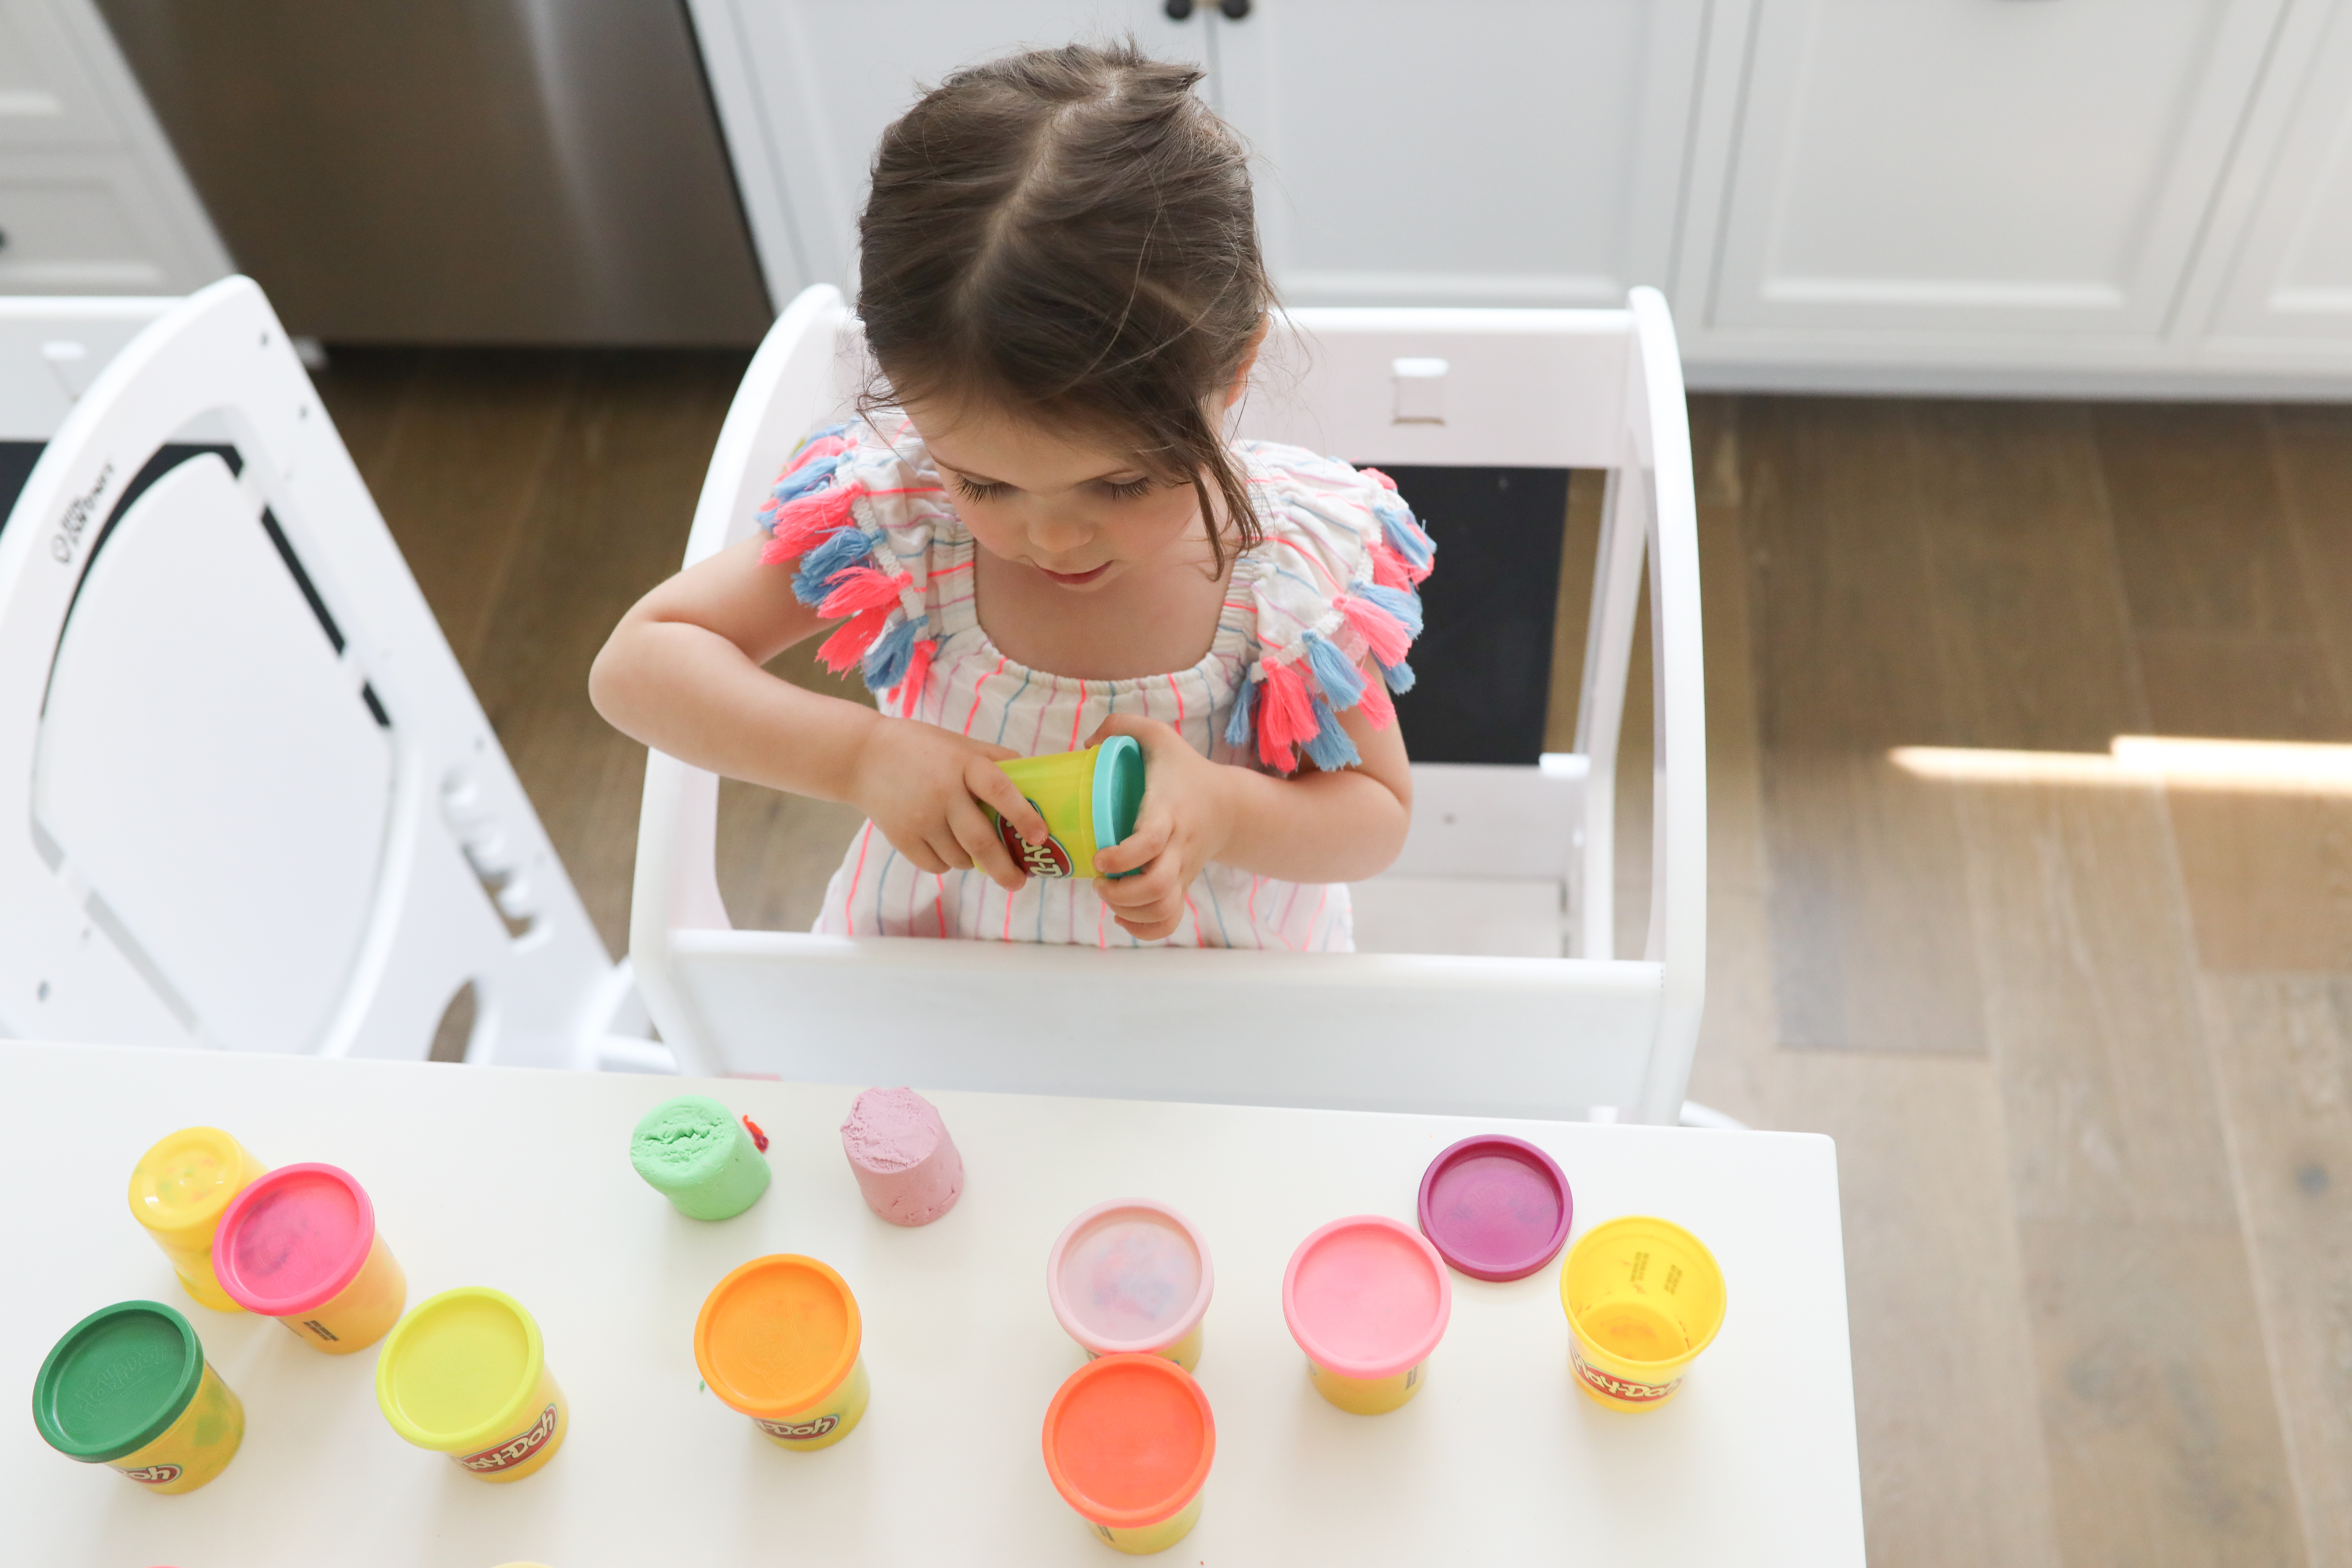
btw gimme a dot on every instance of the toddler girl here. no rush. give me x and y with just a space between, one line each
1038 537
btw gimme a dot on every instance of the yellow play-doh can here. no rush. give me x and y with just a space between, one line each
178 1191
466 1375
1089 800
779 1340
1643 1298
129 1387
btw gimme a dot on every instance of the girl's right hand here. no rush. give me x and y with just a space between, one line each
923 785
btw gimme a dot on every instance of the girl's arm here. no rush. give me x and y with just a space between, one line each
682 673
1315 827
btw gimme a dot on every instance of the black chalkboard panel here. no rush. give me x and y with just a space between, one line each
1483 665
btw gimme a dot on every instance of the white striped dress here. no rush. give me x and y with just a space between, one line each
1335 564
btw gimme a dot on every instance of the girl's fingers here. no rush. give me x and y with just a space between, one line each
977 836
1152 831
988 783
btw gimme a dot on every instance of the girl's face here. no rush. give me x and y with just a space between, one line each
1077 515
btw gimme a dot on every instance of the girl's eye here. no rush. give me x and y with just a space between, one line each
1130 489
973 489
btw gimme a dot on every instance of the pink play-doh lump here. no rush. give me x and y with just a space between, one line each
900 1150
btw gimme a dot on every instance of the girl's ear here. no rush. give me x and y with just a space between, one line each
1249 363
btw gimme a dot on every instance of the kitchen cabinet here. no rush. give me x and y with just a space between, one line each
1979 166
1508 153
1401 162
91 199
2027 197
2287 286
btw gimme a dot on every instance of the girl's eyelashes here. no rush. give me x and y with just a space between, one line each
989 490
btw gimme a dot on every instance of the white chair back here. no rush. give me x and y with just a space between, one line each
1549 1036
258 805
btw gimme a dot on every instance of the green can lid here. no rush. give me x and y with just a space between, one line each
1119 790
117 1380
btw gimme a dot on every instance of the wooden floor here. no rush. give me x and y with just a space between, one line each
2086 1048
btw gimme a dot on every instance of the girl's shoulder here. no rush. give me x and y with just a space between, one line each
858 508
1336 578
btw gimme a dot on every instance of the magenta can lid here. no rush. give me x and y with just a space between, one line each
1367 1297
1130 1275
289 1242
1496 1208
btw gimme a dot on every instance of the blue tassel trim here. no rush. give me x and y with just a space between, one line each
1401 602
840 430
1398 676
847 548
1404 534
1237 728
1341 681
884 664
1331 749
809 477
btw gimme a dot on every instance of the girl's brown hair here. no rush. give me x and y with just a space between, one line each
1068 234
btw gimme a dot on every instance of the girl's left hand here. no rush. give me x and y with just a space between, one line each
1186 819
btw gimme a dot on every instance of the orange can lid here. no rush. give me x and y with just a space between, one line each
777 1335
1128 1439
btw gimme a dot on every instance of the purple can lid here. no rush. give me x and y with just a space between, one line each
1496 1208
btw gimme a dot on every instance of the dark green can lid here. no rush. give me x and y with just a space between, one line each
117 1380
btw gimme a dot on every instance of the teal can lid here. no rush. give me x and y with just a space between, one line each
117 1381
1119 791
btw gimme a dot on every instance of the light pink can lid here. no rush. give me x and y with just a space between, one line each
1366 1297
289 1242
1130 1275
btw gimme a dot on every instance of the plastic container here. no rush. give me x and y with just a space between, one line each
700 1156
1496 1208
1643 1298
1089 800
466 1375
299 1245
1367 1299
128 1387
777 1340
1134 1276
1129 1440
178 1191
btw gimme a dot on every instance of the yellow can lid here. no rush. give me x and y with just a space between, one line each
184 1181
459 1373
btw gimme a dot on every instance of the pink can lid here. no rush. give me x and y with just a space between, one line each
1366 1297
293 1239
1130 1275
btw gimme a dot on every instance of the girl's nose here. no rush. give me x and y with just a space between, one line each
1055 535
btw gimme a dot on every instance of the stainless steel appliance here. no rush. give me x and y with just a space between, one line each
458 171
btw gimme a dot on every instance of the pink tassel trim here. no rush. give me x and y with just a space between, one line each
1389 641
801 526
847 645
857 589
1378 478
1378 711
1286 716
1389 569
822 447
917 676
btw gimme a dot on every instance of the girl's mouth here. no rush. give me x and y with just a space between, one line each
1078 579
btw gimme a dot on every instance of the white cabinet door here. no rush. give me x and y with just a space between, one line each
1515 152
805 87
2293 276
47 97
86 222
1979 166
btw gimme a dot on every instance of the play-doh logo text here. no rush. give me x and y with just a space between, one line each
514 1451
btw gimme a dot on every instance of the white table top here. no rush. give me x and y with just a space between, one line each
521 1180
